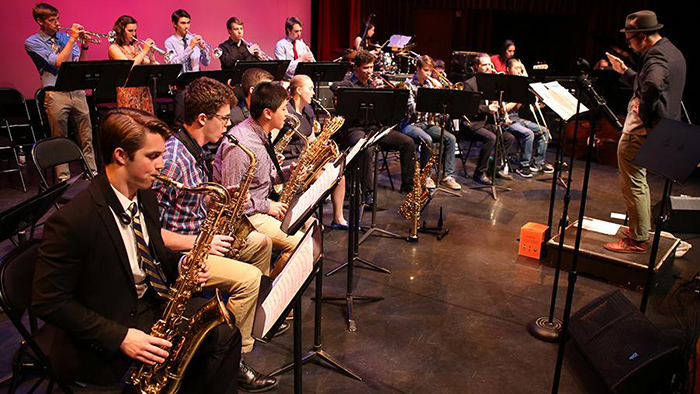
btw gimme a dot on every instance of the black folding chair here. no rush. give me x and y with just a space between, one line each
53 151
14 115
16 283
40 99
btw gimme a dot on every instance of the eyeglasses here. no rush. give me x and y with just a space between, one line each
224 118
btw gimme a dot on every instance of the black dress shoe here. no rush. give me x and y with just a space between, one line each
483 179
252 381
284 327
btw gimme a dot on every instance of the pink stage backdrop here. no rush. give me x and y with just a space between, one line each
263 19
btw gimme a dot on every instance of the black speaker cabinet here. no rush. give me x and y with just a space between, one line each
683 214
622 346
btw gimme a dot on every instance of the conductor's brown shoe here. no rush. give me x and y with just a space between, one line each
627 245
626 232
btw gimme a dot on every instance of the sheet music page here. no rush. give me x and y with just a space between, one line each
329 175
289 281
399 41
600 226
379 136
558 99
355 149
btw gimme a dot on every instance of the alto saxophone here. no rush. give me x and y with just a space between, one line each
418 196
235 223
185 334
312 160
293 122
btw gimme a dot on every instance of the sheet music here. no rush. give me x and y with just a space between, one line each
354 150
557 98
600 226
324 182
289 281
399 41
379 136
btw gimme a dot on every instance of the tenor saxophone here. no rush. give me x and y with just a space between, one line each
234 221
418 196
312 160
185 334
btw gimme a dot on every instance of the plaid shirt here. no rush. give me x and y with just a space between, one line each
181 212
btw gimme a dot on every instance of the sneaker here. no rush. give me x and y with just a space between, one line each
524 172
502 174
430 183
547 168
626 245
482 178
535 168
451 183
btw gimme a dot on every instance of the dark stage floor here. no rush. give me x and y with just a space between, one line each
454 315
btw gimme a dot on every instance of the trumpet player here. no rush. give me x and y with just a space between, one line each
235 49
185 47
292 47
534 136
48 49
126 46
417 125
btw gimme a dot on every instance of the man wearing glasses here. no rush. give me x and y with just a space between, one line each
658 89
207 115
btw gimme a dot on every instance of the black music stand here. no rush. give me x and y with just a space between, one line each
158 77
275 67
103 77
672 150
222 76
455 103
298 280
16 220
290 226
322 72
501 88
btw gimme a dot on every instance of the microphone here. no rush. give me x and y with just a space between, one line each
600 102
583 65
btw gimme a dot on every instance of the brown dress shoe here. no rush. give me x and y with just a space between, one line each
627 245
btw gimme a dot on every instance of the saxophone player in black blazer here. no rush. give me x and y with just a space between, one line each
92 284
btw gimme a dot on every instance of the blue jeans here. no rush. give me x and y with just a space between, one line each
532 137
429 134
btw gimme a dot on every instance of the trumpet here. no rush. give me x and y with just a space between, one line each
259 54
446 83
166 54
86 36
216 52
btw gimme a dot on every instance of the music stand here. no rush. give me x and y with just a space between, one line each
222 76
498 87
275 67
455 103
158 77
305 204
277 298
16 220
99 76
672 150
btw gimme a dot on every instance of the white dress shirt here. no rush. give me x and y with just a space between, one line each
184 54
284 50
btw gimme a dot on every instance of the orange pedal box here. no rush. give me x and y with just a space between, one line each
532 240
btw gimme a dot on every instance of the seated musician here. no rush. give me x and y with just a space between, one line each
482 126
235 49
440 67
97 285
292 47
534 137
355 130
207 109
268 109
505 53
249 80
417 126
301 91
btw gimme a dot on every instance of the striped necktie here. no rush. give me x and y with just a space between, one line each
152 271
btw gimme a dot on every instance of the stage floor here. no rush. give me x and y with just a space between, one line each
455 311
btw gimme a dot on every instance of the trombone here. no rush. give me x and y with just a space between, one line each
216 52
